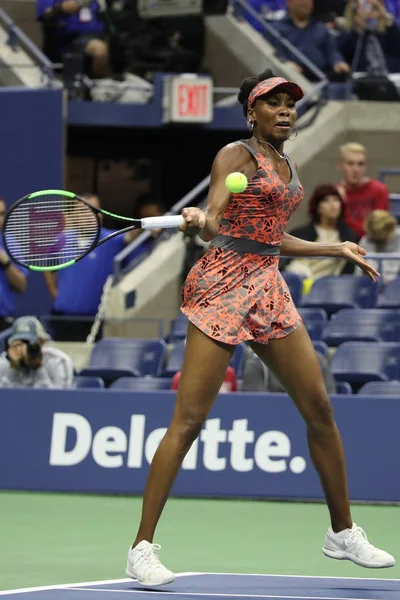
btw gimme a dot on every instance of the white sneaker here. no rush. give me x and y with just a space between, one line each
352 544
144 565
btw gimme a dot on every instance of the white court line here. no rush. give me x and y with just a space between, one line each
61 586
187 574
270 596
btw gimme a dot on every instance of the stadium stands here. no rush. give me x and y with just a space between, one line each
113 358
334 293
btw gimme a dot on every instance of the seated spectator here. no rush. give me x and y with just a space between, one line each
269 10
12 279
382 235
229 383
30 362
77 290
147 206
360 193
310 37
327 226
73 27
372 38
258 378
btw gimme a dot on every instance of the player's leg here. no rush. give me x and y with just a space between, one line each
203 371
294 362
302 378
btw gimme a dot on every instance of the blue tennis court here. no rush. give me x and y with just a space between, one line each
223 585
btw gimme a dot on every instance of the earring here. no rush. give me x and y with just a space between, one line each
296 133
250 125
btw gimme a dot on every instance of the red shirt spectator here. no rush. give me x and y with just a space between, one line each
360 194
229 384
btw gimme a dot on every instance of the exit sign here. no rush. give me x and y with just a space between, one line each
188 99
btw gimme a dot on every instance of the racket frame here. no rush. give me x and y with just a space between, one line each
95 244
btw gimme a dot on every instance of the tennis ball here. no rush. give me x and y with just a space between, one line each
236 182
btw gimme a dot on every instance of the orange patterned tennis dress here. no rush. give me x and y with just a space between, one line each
235 292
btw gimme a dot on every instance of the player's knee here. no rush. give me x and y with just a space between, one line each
189 427
320 418
97 49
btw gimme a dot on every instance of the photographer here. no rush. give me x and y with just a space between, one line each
29 362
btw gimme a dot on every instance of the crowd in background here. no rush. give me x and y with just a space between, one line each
337 36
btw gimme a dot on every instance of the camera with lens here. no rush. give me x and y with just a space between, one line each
33 350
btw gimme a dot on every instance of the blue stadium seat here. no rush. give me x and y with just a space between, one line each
142 383
381 388
113 358
315 320
390 297
81 381
360 362
333 293
363 325
321 347
295 285
395 206
342 387
175 359
178 328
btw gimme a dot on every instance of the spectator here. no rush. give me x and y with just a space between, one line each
229 384
147 206
258 378
269 10
372 38
73 26
310 37
360 193
327 226
77 290
12 279
382 236
30 362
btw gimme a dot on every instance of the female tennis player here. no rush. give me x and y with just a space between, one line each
235 294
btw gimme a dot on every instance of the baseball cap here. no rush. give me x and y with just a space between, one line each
28 329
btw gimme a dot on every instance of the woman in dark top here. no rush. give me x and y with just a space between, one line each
327 226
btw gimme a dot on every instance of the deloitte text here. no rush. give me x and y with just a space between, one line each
216 449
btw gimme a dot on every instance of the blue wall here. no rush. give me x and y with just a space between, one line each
31 158
252 445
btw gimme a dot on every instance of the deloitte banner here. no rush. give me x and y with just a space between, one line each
251 445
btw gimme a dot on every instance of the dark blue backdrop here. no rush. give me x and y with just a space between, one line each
252 444
31 158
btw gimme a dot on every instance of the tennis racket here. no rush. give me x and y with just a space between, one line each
53 229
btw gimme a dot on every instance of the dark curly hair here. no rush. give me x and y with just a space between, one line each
248 85
320 193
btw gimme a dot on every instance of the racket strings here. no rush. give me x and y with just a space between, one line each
51 230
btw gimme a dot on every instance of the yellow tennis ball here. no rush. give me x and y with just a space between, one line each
236 182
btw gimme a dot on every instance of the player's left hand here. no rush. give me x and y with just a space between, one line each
354 253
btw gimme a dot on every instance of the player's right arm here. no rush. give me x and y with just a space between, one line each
232 158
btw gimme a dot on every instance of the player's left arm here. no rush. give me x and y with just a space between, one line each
294 247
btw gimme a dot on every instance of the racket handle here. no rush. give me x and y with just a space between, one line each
162 222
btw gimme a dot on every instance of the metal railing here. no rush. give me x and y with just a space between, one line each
18 38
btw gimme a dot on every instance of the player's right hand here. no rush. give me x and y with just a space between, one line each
194 218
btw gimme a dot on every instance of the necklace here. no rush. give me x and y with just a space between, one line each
283 156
